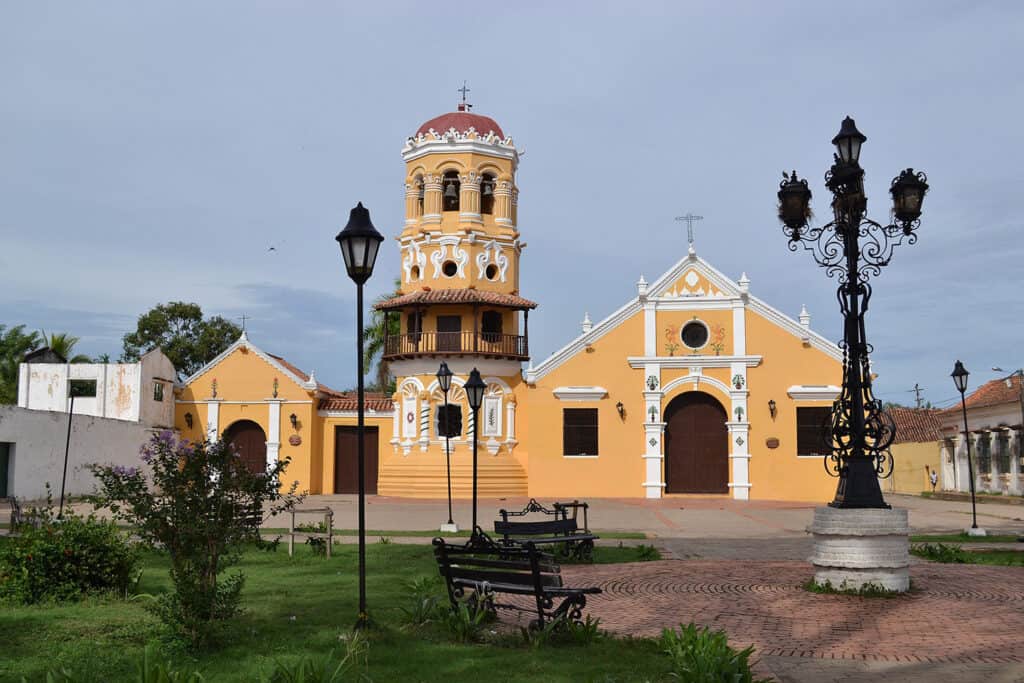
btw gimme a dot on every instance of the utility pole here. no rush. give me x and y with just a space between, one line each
917 394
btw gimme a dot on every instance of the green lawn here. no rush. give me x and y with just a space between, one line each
963 538
421 533
300 606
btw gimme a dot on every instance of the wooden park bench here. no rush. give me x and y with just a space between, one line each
489 570
556 528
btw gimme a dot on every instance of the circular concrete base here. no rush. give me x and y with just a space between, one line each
975 531
447 528
855 548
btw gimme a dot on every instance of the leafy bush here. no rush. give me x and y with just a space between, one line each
700 655
424 602
202 506
65 559
317 544
647 553
333 667
466 620
940 552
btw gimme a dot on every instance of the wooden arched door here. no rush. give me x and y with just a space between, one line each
696 445
251 442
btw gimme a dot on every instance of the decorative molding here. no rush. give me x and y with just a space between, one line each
243 342
579 393
697 381
492 254
693 361
453 141
414 257
813 392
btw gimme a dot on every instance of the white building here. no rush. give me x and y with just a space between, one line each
994 422
141 392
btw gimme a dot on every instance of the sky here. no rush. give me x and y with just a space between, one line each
154 152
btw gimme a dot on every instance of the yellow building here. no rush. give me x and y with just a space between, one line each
692 386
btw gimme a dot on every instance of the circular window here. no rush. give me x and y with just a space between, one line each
694 334
492 272
450 268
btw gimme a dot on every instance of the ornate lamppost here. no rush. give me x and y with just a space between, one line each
854 248
359 243
959 376
444 380
475 395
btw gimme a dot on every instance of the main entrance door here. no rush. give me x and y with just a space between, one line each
696 445
251 442
346 459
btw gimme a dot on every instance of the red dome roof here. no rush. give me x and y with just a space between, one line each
462 121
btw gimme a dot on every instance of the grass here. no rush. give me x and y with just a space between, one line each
300 607
427 533
955 554
962 538
868 590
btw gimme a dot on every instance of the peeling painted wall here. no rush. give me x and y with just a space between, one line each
38 439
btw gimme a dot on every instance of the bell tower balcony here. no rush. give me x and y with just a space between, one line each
457 322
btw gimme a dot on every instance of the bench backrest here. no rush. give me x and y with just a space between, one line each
549 527
525 567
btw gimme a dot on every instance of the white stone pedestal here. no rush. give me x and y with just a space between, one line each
971 531
447 528
854 547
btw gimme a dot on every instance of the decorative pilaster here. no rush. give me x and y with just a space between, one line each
274 435
654 485
960 464
510 423
412 203
1013 443
469 199
503 202
396 421
213 419
739 456
433 185
424 421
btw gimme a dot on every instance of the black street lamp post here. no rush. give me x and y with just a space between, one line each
359 243
854 248
475 394
959 376
444 380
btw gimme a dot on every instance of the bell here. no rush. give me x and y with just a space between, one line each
488 190
450 191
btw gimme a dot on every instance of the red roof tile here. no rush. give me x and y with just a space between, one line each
350 403
455 296
996 392
303 376
462 121
916 426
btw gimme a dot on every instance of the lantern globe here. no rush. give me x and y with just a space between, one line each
848 141
474 388
794 201
444 377
908 190
959 376
359 242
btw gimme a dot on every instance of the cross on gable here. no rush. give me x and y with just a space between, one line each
690 220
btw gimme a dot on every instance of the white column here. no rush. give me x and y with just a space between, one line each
23 377
213 419
424 421
650 330
274 435
510 423
654 428
739 456
1013 443
739 329
396 423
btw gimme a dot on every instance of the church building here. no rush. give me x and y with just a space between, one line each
692 386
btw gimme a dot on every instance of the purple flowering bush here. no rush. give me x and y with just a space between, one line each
65 559
197 502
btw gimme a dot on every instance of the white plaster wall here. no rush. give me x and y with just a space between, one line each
38 452
47 386
121 394
44 386
156 413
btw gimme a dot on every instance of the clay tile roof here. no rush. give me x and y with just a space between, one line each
455 296
996 392
462 121
350 403
303 376
916 426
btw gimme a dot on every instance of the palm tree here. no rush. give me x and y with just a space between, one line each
63 344
374 337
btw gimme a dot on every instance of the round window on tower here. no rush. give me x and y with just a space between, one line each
491 272
694 334
450 268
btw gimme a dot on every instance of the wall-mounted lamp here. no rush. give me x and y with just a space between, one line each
294 420
188 420
772 407
622 410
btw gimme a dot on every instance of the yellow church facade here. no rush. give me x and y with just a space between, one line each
694 386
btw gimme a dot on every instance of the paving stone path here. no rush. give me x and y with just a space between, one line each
966 615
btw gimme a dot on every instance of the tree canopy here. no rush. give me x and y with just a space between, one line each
64 344
14 344
179 330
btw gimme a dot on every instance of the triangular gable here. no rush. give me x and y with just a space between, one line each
691 277
243 341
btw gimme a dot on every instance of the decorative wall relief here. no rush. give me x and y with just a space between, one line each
295 440
739 413
671 335
492 254
652 383
414 257
738 381
653 442
437 258
213 388
275 387
717 342
740 441
654 414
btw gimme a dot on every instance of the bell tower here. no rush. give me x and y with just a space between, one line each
458 302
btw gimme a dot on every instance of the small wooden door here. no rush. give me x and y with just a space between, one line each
251 442
346 459
696 445
449 333
5 467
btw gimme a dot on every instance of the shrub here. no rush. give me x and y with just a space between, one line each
332 667
148 670
202 506
466 620
424 602
700 655
940 552
65 559
317 544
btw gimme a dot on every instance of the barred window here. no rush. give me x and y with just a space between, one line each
579 431
82 388
813 431
984 448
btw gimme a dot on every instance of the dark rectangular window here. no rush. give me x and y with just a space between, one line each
449 421
158 391
579 431
82 388
813 431
414 324
984 449
490 326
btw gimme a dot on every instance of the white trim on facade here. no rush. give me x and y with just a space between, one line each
813 392
579 393
243 341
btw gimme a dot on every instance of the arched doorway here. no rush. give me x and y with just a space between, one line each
251 442
696 445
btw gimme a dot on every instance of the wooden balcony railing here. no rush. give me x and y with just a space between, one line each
456 343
